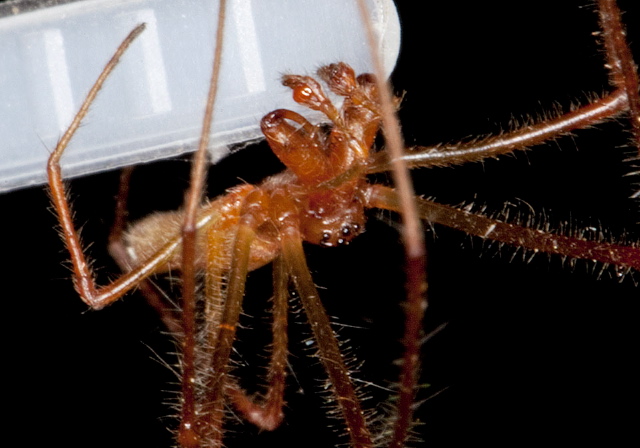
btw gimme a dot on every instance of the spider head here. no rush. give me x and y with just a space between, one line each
332 221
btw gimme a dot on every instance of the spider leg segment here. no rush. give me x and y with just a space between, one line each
599 110
514 235
623 71
269 415
95 297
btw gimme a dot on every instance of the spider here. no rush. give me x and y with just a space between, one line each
497 322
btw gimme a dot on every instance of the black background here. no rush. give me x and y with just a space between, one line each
531 351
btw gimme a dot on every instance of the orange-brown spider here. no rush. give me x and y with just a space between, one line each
515 298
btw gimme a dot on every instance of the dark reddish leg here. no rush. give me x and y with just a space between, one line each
514 235
188 434
415 252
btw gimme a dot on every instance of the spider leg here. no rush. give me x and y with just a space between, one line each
515 235
447 155
415 250
626 98
188 435
207 423
268 415
328 347
91 294
217 267
623 72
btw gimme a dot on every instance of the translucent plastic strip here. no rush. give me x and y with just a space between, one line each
153 104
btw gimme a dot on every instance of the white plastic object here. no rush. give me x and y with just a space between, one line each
152 105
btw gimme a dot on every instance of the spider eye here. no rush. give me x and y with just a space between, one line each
346 230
